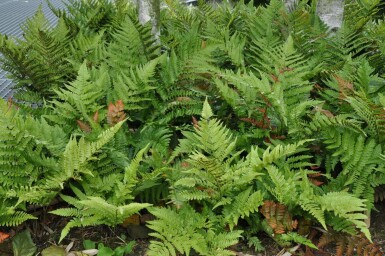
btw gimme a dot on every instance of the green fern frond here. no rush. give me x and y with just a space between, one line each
87 47
271 155
132 45
26 147
344 121
242 206
210 136
361 161
218 243
80 99
38 63
96 211
370 113
134 86
282 188
184 230
77 153
67 212
295 237
312 207
157 137
183 236
347 206
14 218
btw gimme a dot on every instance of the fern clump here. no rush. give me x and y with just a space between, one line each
109 118
185 230
56 161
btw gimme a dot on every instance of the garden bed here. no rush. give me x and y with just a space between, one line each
240 130
46 232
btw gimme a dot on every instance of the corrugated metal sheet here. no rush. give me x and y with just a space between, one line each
12 14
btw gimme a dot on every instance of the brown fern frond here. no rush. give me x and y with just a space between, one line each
348 245
278 217
341 247
84 126
316 182
259 124
326 238
96 117
344 87
115 113
279 229
3 236
264 123
312 177
195 122
308 251
324 111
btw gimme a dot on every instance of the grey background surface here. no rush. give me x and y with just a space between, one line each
13 13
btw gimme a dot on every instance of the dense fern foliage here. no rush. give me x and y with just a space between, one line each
239 120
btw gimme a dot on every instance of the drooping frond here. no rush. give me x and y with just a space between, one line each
96 211
348 212
14 218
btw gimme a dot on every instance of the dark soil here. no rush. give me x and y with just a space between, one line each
377 225
46 232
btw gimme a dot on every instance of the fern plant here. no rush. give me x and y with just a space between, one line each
298 129
42 163
209 178
79 100
186 230
274 99
38 63
209 171
92 211
287 183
